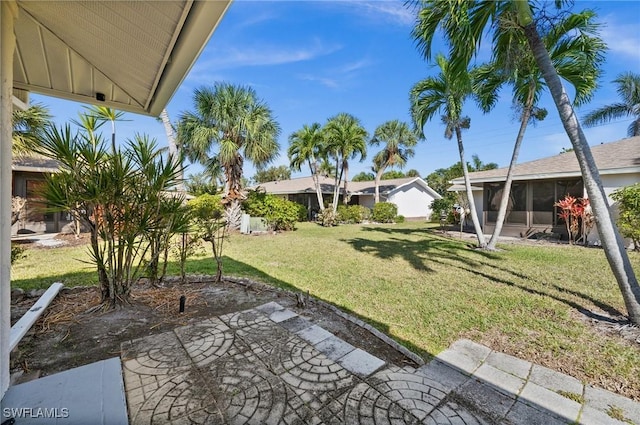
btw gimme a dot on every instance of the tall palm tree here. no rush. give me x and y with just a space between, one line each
240 125
576 54
465 21
174 150
28 128
307 145
398 142
629 91
446 94
345 139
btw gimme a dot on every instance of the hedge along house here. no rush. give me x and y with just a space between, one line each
412 195
538 185
127 55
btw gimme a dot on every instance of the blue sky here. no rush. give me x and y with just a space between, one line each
309 60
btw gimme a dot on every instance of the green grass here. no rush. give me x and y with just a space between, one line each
427 291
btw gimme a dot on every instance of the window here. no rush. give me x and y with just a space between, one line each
516 207
543 195
35 203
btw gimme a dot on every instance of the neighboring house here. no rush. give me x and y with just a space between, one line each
412 195
28 174
538 184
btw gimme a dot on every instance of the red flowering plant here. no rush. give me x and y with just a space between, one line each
577 216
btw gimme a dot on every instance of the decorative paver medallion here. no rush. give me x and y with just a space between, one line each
247 368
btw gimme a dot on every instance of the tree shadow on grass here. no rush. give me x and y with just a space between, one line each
434 248
418 253
236 268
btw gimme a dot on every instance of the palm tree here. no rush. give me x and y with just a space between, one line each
174 150
576 54
399 141
345 139
28 128
465 21
446 94
307 145
240 125
629 91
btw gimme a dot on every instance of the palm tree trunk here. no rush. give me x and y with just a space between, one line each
313 166
174 153
336 186
610 238
377 184
506 191
472 204
345 196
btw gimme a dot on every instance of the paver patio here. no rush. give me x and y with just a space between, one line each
268 365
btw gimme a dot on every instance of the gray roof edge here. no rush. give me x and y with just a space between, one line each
543 176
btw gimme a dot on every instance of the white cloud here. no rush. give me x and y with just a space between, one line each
387 11
325 81
228 57
337 77
621 39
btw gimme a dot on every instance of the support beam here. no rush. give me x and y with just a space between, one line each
8 15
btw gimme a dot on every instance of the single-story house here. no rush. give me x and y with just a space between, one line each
538 184
412 195
27 174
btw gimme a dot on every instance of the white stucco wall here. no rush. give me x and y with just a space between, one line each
412 200
367 201
610 183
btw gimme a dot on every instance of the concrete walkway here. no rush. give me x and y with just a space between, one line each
269 365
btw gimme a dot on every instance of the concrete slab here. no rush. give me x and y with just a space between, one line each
604 400
555 381
471 349
296 324
449 377
361 363
502 381
486 398
591 416
282 315
270 307
334 347
314 334
509 364
459 360
524 414
91 394
553 402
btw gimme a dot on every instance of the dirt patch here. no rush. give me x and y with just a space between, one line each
74 331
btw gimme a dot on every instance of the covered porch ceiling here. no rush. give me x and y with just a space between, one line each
127 55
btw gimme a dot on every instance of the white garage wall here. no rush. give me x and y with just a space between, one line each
412 201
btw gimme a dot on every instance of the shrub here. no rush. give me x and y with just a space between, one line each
17 252
280 214
303 212
208 216
628 200
384 212
353 213
400 219
444 204
328 218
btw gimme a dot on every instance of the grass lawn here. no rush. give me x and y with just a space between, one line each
427 291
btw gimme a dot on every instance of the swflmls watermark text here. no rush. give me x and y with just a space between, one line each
35 412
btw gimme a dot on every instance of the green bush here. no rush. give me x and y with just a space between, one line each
328 218
400 219
384 212
17 252
444 204
303 212
353 213
628 201
280 214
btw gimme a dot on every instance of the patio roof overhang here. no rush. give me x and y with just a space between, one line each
128 55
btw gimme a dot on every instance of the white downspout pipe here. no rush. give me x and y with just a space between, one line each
8 15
